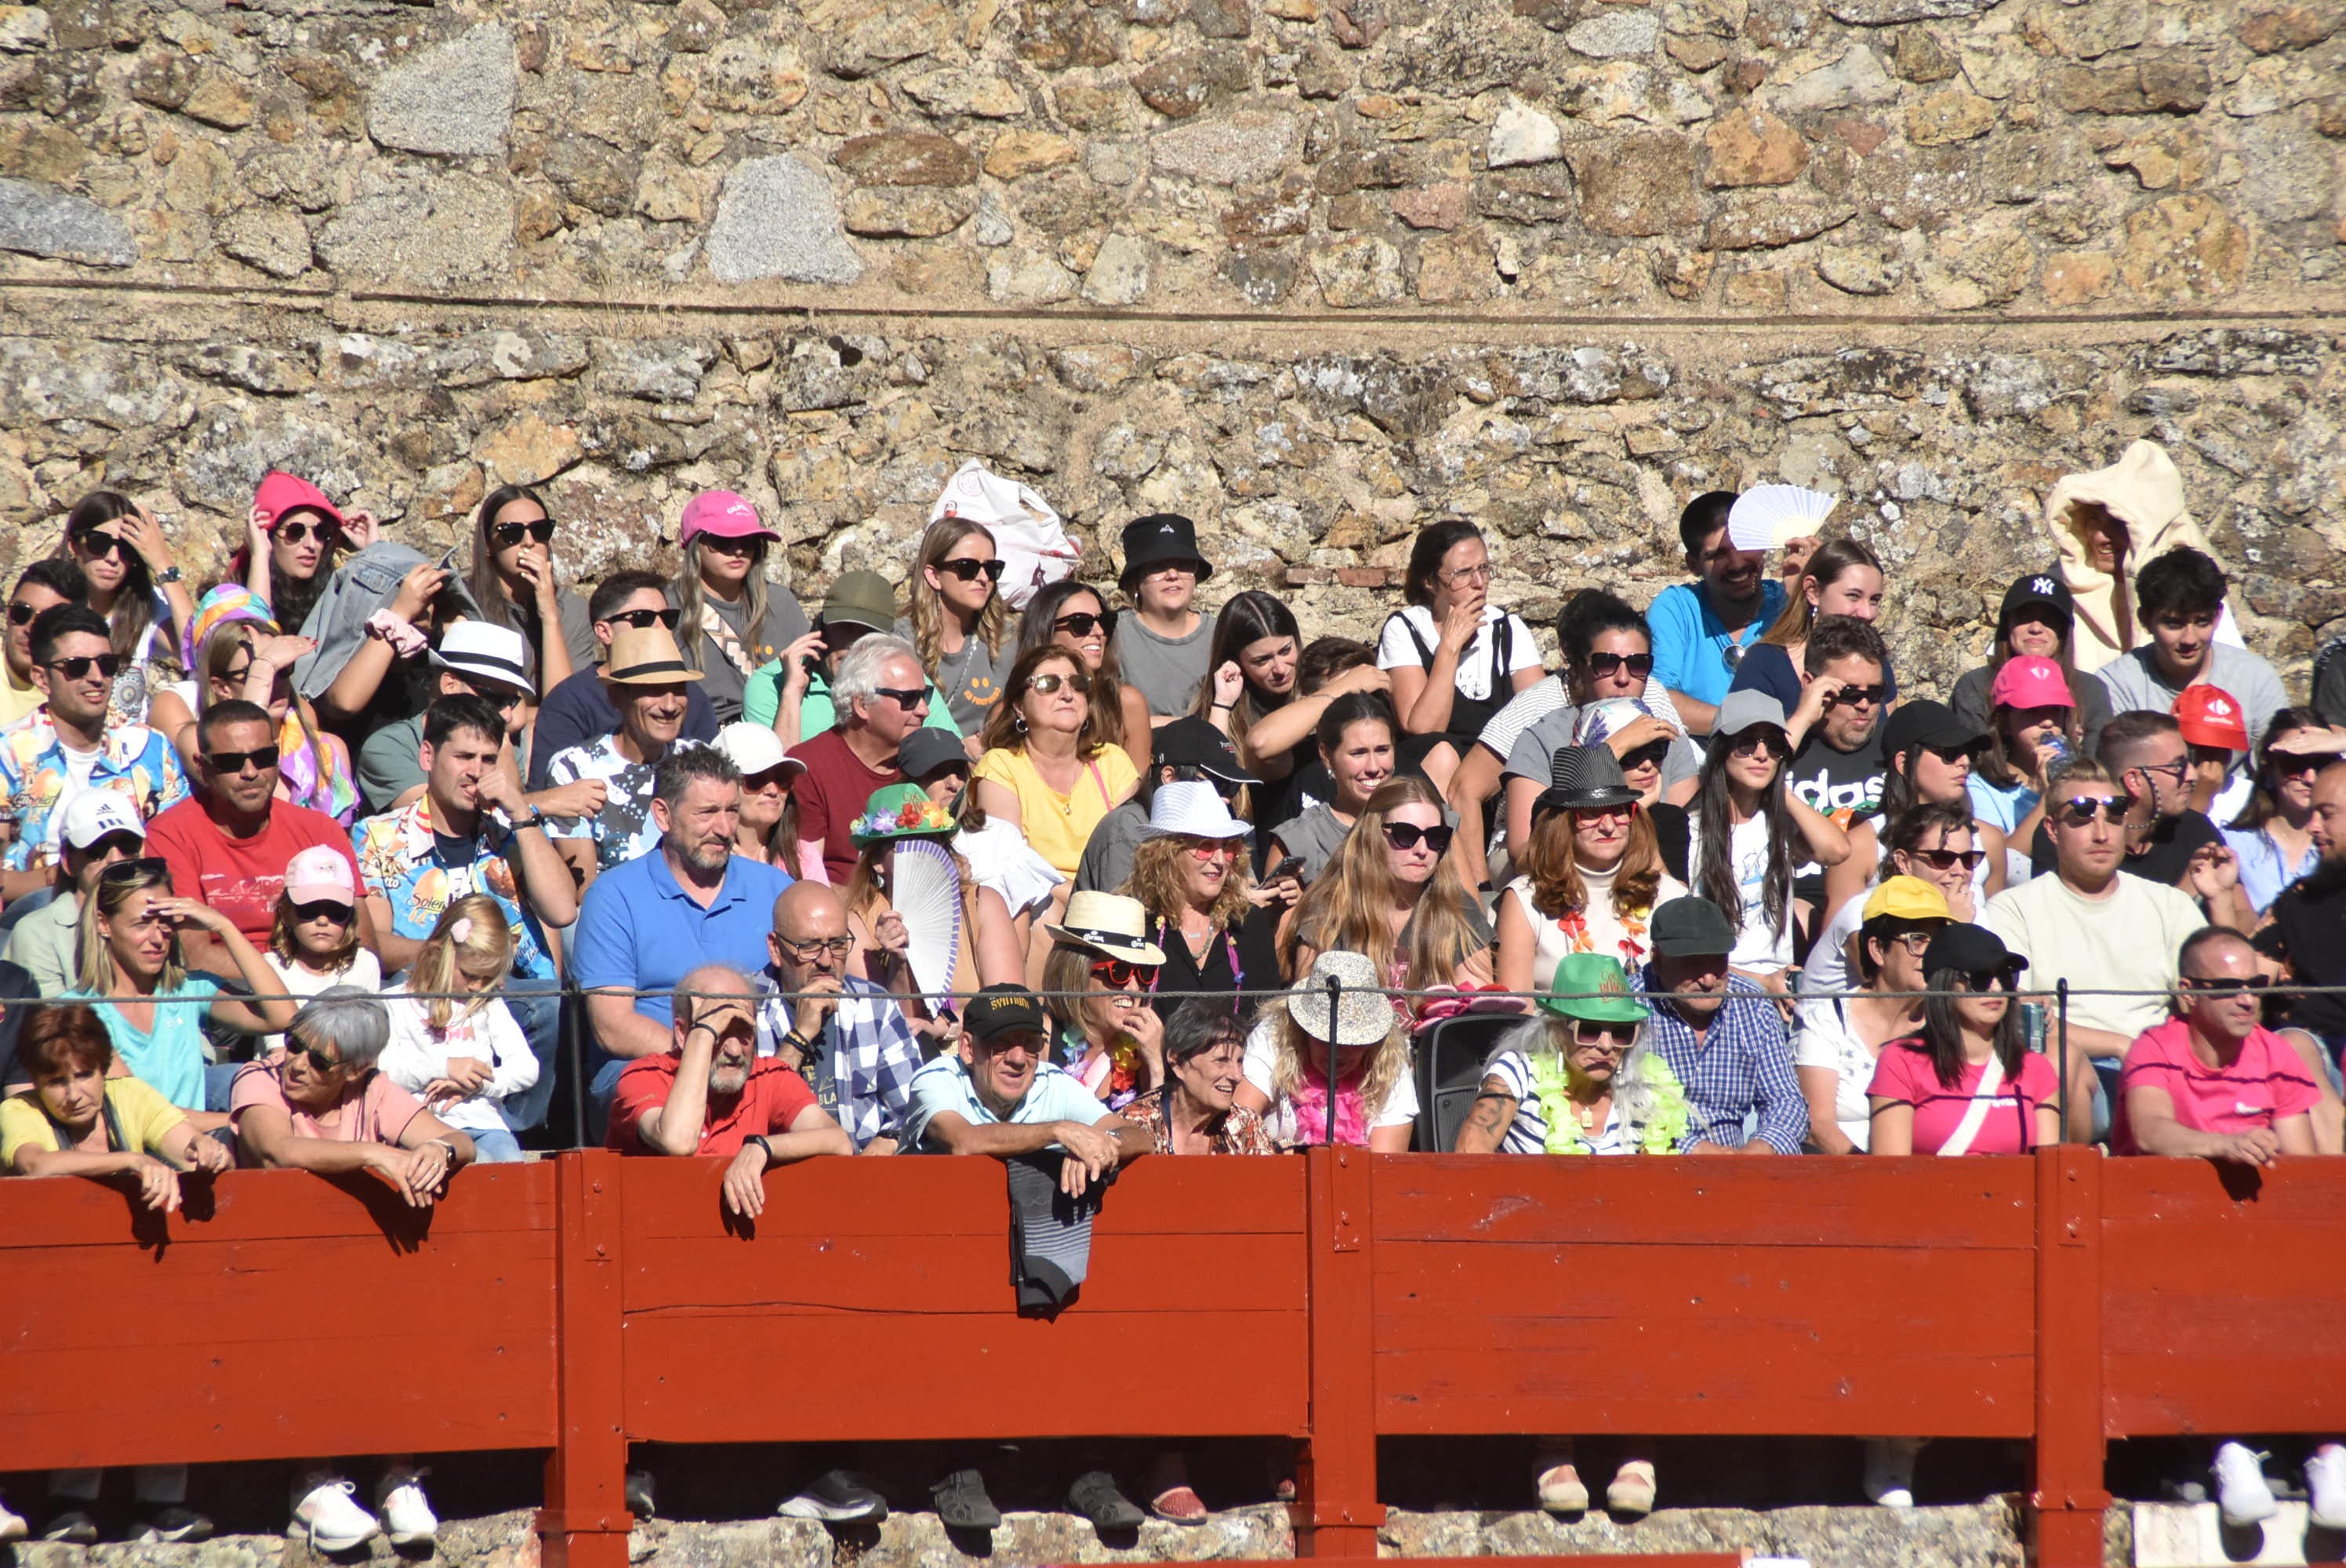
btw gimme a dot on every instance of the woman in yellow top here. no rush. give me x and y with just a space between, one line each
1046 770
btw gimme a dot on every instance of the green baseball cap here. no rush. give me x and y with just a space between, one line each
1592 987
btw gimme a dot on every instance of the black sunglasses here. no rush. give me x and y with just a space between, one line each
1985 980
1650 755
508 534
21 614
97 543
1123 971
1601 665
319 1061
905 699
503 698
644 620
260 761
780 773
1081 623
107 664
1852 696
1408 835
2226 989
296 531
727 546
146 867
1947 860
324 909
1951 755
969 569
2081 809
1773 746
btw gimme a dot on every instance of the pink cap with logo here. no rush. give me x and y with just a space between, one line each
320 873
2031 683
725 515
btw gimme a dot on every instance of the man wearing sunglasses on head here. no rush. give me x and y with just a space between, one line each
580 710
2099 927
64 746
44 585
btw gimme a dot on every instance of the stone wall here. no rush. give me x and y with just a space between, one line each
1312 270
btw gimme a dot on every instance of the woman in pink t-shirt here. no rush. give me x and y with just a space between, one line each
1967 1083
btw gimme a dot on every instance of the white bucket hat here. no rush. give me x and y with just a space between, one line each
1194 811
1361 1016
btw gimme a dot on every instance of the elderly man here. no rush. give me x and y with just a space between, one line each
650 921
1722 1037
846 1035
860 604
580 708
322 1107
648 679
45 583
998 1094
881 696
476 658
64 746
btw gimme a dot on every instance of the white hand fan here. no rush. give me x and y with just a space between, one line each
924 886
1766 515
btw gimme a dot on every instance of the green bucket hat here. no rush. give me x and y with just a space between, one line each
1592 987
901 811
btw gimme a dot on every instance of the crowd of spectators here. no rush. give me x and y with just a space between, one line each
352 861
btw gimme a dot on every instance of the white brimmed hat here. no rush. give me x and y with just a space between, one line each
483 651
1193 810
1108 924
1361 1014
754 748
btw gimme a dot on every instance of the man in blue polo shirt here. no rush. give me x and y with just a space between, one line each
650 921
1701 628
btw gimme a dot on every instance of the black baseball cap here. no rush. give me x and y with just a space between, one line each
1925 723
928 748
1970 950
2037 588
1002 1009
1691 927
1194 743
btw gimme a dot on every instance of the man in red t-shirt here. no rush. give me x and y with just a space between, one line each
230 843
880 695
710 1093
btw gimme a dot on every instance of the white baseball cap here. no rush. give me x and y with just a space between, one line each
753 749
94 813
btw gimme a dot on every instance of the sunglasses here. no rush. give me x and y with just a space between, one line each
2226 990
2083 809
2179 768
1948 860
1123 971
644 620
1081 623
97 544
106 663
323 909
508 534
1214 849
2284 763
503 698
1650 755
21 614
124 844
146 867
296 533
1985 980
1855 697
319 1061
907 699
1408 835
1592 1036
1048 683
1951 755
1770 747
969 569
728 546
780 773
1601 665
1605 813
260 761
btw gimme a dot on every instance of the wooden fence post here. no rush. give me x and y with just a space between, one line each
584 1521
2069 1495
1336 1511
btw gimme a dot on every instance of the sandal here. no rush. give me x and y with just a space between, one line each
1179 1505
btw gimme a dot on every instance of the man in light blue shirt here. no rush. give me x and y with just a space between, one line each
998 1094
1701 628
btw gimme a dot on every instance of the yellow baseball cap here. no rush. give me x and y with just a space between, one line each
1907 898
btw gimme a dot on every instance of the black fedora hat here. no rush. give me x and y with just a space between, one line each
1584 778
1161 536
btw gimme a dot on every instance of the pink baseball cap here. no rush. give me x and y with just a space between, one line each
2031 683
320 873
282 492
2209 716
725 515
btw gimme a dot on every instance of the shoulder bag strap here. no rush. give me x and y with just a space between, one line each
1975 1114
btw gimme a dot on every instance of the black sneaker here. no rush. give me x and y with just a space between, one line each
835 1497
962 1502
171 1522
73 1526
1094 1497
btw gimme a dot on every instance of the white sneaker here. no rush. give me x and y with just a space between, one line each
13 1528
324 1508
2242 1493
2325 1487
407 1516
1890 1471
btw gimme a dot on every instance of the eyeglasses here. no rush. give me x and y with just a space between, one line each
1080 623
1915 942
76 668
2081 809
1214 849
1602 665
21 614
297 532
1592 1036
509 535
1947 860
97 544
1855 697
1650 755
644 620
1605 813
969 569
1481 574
1122 972
323 909
261 760
1408 835
146 867
2225 989
319 1061
1985 980
907 698
1048 683
835 946
1767 747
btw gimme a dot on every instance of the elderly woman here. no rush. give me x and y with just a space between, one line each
1373 1100
1191 876
1047 769
322 1107
1838 1038
1577 1082
1096 983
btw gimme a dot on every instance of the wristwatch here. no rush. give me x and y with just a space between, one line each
169 574
760 1139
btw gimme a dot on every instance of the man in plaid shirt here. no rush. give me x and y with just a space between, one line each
846 1036
1722 1036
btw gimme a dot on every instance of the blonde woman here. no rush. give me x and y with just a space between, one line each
454 1044
1191 876
1394 894
729 619
955 620
1337 1003
1096 984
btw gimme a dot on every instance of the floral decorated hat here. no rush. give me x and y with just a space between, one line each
901 811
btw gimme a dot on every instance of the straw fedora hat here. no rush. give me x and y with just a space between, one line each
1108 924
646 656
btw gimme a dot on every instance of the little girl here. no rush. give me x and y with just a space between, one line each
314 942
462 1059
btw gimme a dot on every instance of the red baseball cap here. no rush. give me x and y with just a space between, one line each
2031 683
2210 716
282 492
725 515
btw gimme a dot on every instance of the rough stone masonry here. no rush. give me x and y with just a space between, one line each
1315 271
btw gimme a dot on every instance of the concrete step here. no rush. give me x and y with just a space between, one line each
2194 1535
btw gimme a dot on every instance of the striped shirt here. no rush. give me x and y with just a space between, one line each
1741 1065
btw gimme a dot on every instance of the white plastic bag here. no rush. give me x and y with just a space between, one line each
1034 548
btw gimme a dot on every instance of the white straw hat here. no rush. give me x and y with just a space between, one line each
1361 1016
1108 924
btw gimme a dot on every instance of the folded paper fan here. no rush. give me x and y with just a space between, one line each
924 887
1766 515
